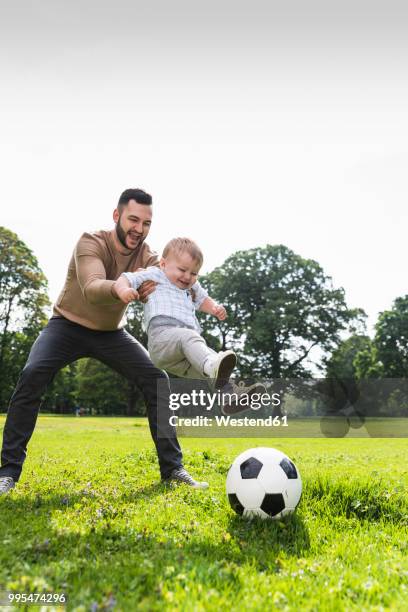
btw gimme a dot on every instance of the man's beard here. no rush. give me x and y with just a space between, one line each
121 234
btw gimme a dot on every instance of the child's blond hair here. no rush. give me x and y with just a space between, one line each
184 245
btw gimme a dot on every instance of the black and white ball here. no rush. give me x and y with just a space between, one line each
263 482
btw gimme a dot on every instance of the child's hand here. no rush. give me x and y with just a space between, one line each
220 312
127 295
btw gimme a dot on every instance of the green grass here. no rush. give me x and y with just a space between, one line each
90 518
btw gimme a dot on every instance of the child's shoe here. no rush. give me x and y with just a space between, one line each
242 399
222 368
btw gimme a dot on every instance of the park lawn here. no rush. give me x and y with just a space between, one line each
89 518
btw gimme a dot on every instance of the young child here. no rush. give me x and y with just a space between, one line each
174 340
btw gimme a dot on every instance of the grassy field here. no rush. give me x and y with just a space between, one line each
90 518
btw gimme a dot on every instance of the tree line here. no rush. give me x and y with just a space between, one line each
285 320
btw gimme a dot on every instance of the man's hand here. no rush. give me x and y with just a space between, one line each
146 289
219 312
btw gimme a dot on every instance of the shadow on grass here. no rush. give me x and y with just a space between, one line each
34 510
289 535
141 557
134 566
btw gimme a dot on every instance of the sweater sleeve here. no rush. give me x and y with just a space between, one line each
91 272
137 278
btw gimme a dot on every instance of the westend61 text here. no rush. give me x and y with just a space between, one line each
227 421
206 400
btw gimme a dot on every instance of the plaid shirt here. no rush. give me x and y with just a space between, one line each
167 299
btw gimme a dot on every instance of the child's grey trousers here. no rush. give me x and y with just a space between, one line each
179 350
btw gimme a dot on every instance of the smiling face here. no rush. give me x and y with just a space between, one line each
133 223
181 269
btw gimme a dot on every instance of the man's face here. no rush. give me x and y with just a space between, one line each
181 269
132 224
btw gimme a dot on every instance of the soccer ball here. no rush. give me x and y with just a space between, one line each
263 482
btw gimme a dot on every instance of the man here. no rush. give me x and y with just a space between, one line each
87 323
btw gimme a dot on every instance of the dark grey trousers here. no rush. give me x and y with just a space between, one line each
61 342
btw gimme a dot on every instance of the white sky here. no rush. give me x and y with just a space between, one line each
250 123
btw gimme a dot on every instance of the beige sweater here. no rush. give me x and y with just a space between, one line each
95 264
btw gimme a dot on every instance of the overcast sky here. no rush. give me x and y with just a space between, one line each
249 122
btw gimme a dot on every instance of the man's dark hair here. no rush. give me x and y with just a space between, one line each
139 195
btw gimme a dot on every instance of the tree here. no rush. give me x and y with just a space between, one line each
340 388
387 354
280 307
367 364
62 395
15 348
134 325
391 339
342 362
100 389
103 390
23 307
382 368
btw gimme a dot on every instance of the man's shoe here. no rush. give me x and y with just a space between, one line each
6 484
238 398
181 475
223 368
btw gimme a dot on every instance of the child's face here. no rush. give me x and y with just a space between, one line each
181 269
